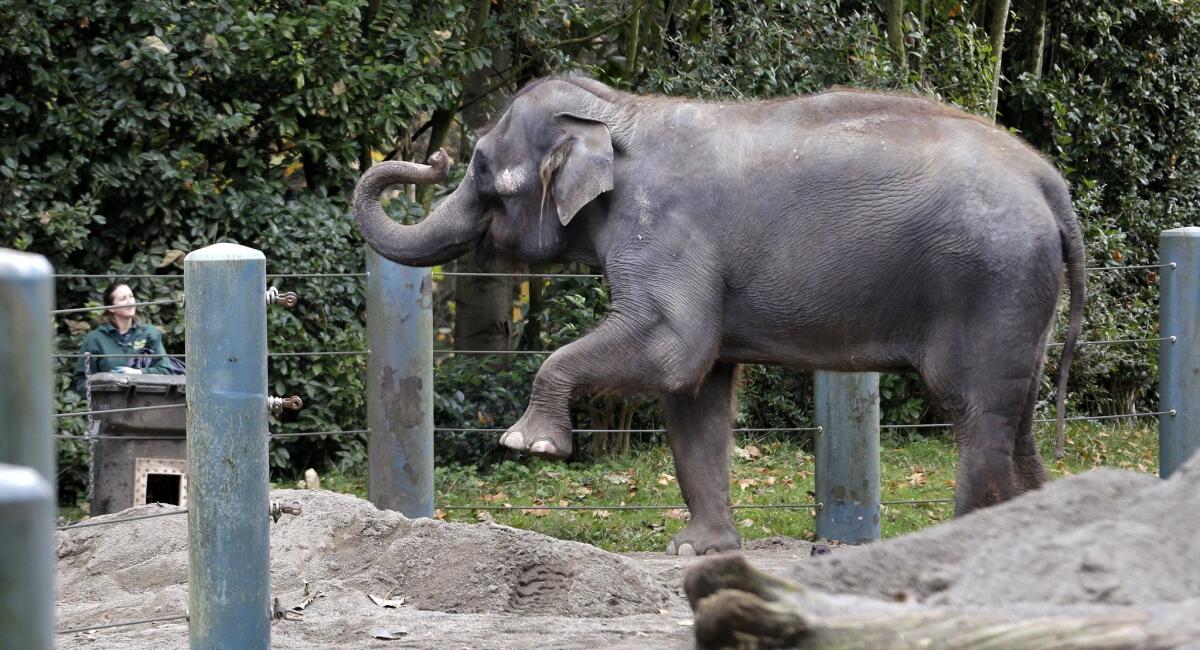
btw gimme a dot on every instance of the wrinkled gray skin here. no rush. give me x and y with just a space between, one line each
845 231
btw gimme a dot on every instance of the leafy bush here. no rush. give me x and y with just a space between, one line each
128 132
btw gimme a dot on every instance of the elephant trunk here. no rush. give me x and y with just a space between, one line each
444 235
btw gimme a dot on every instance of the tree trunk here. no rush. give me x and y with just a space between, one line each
999 24
1039 38
483 305
895 30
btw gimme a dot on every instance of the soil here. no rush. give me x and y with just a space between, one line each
1105 540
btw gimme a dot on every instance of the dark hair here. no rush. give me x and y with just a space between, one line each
108 300
108 293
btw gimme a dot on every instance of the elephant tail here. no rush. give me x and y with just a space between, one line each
1073 256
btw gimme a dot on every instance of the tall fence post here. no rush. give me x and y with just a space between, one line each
847 456
27 474
228 509
400 386
1179 358
26 300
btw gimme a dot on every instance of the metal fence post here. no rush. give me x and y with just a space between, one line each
847 456
228 509
1179 358
27 474
26 389
400 386
27 563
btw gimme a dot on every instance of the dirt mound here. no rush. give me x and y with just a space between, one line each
1105 537
1106 542
347 550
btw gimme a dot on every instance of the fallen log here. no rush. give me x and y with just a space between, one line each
736 606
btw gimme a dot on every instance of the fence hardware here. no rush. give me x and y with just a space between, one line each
279 509
286 299
278 404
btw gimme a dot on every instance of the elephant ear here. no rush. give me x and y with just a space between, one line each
581 167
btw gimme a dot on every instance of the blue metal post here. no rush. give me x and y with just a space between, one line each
27 474
1179 358
400 386
26 390
847 451
27 562
228 509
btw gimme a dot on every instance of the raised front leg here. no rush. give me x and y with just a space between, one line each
700 429
625 354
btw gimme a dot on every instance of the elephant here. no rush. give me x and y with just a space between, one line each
843 231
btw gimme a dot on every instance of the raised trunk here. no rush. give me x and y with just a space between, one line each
444 235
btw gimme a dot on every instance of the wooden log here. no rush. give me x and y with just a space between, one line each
737 606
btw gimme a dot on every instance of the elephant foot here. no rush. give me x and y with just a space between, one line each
699 539
540 440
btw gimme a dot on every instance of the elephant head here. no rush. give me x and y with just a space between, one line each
529 176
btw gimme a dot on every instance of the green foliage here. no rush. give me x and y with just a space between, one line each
1115 111
128 132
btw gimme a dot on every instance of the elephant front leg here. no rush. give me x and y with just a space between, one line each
620 355
700 429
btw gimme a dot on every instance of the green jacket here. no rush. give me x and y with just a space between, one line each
106 340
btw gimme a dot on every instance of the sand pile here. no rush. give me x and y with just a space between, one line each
1104 541
1105 537
347 551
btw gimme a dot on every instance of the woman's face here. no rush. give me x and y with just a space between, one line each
123 295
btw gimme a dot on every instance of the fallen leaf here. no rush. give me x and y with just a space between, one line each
389 634
753 451
678 513
439 514
741 453
536 512
386 602
601 514
499 496
746 523
616 478
747 482
665 479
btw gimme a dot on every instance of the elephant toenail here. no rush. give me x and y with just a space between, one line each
544 447
712 551
687 549
512 439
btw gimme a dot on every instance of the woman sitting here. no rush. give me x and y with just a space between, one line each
137 346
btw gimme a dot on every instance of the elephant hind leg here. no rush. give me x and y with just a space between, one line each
700 430
1027 462
988 400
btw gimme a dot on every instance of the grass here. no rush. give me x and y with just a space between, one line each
765 471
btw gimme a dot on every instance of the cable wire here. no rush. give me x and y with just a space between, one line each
73 630
79 310
124 410
107 522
